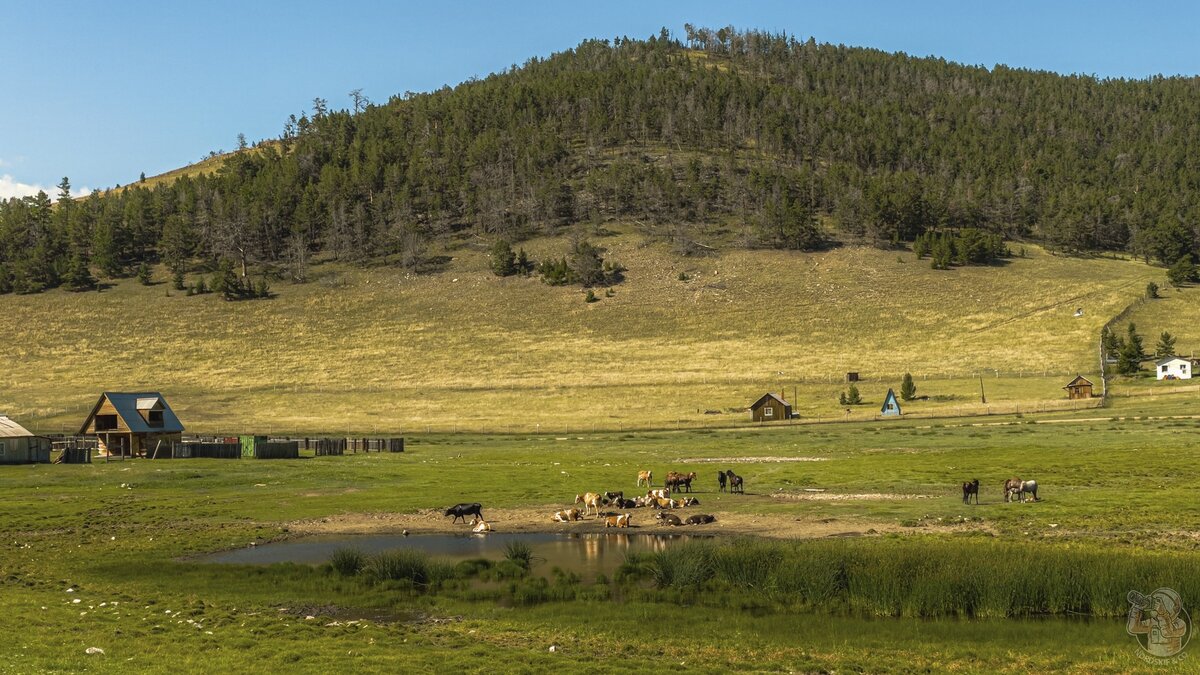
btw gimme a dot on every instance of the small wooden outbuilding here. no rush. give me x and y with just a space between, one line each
770 408
891 406
18 446
1080 387
133 424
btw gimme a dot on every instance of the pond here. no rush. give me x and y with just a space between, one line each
585 554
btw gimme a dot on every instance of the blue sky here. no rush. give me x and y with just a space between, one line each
101 91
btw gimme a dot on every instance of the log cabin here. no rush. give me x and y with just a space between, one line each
18 446
133 425
770 408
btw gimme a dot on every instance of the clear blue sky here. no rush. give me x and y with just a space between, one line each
100 91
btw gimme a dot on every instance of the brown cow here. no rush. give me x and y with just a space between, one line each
590 501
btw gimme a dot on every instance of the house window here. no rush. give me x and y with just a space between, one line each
106 422
768 411
155 418
1164 369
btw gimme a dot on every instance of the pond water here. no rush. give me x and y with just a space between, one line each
586 554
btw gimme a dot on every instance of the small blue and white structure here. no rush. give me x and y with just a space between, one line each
1173 368
891 407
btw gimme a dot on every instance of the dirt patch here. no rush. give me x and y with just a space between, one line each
749 460
843 497
537 519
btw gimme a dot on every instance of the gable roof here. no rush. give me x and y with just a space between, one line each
1168 359
1079 380
766 396
10 429
127 406
891 397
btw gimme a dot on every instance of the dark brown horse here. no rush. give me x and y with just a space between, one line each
971 488
721 480
735 482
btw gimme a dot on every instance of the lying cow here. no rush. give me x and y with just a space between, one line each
610 497
567 516
480 525
700 519
689 501
463 510
669 519
662 493
617 521
660 503
622 503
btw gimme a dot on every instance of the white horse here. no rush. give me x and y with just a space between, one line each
1029 486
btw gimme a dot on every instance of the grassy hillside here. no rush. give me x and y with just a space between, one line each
365 350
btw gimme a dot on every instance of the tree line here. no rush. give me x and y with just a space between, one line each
724 138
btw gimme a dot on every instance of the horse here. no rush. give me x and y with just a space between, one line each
735 483
971 488
675 480
1011 486
1029 486
463 510
721 480
645 478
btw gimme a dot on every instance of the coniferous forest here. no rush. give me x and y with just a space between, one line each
710 139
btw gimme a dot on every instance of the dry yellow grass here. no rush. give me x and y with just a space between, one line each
382 350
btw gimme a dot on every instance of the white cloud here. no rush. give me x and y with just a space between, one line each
10 188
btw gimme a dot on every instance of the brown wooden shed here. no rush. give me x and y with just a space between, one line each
133 424
1080 387
770 408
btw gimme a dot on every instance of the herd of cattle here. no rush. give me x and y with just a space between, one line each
659 499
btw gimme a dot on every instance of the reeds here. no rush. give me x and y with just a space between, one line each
921 578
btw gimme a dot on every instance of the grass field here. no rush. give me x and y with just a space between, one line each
367 350
118 535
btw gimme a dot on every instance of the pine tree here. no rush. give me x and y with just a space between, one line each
1132 353
524 264
79 277
178 281
143 274
908 390
1165 346
1183 272
504 261
850 396
1151 291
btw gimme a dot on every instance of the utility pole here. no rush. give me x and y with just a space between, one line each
982 396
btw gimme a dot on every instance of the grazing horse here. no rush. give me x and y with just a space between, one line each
1011 487
721 480
590 501
463 510
1029 486
677 480
645 478
971 488
735 482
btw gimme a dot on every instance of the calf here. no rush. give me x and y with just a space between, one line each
567 516
700 519
591 501
690 501
645 478
621 520
664 493
669 519
463 510
480 525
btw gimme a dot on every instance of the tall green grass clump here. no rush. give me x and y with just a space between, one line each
948 577
520 553
348 561
401 565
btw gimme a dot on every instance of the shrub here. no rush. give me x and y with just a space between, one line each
401 565
520 553
1152 290
504 261
177 280
348 561
143 274
591 296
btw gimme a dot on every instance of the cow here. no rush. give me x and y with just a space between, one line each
664 493
591 501
622 503
669 519
621 520
645 478
700 519
689 501
463 510
567 516
610 497
479 525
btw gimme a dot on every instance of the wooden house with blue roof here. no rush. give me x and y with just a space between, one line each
133 424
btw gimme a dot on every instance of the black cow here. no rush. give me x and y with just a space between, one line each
622 503
464 510
700 519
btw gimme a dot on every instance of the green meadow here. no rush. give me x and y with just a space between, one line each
1005 587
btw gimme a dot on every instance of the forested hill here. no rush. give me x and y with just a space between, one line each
718 138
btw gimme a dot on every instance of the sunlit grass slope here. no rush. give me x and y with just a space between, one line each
370 349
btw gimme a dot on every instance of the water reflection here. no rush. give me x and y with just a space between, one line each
586 554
